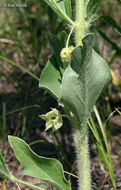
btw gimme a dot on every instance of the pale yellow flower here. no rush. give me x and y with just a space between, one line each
53 119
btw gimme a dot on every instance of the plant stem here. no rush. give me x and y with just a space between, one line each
80 22
81 145
81 133
25 183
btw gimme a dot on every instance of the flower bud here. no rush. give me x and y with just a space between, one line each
66 54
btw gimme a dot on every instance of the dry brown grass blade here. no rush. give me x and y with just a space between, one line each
3 187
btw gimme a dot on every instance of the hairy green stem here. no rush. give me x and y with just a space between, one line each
80 22
83 164
81 133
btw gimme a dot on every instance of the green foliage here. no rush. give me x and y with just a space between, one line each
67 4
62 8
49 170
56 49
115 26
50 78
76 85
3 169
19 66
51 75
119 1
103 154
112 43
92 6
83 80
4 174
23 32
118 110
111 22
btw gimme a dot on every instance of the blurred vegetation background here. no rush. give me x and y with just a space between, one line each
23 39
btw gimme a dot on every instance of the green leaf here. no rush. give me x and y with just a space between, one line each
67 4
83 81
107 162
119 1
91 8
56 48
117 109
111 22
59 3
51 78
62 8
3 169
52 73
46 169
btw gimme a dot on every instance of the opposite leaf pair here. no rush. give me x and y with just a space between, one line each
81 83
